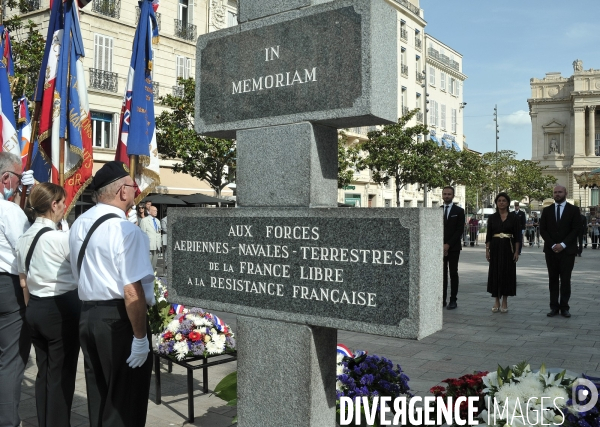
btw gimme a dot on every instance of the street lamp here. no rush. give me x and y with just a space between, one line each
425 111
497 136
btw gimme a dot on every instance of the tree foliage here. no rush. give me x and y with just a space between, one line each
348 159
529 181
210 159
28 51
395 153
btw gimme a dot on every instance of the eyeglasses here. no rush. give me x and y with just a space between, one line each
15 174
135 186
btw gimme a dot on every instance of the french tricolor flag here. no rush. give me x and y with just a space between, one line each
24 128
178 308
8 129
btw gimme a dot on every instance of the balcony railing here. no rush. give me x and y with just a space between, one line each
433 53
420 77
178 91
137 18
404 70
363 130
419 116
418 43
414 9
29 5
403 34
185 31
155 90
104 80
110 8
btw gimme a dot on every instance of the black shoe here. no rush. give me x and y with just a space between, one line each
552 313
565 313
444 304
452 305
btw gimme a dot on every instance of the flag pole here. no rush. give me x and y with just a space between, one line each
133 159
32 138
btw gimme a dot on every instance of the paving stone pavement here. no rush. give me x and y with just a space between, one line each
473 338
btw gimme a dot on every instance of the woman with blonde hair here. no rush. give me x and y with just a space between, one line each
53 305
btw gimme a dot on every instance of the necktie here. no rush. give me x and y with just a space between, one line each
557 213
446 210
155 224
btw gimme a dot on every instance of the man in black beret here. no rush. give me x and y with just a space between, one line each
109 257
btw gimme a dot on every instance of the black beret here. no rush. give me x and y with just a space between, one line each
109 173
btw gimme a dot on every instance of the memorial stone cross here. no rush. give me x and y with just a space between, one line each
293 266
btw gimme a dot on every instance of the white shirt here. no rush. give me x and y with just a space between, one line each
49 272
13 223
447 212
116 255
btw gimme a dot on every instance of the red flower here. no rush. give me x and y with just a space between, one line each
171 311
195 336
437 390
168 335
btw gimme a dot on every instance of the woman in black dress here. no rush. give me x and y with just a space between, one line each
502 252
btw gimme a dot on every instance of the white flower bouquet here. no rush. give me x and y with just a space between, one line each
518 397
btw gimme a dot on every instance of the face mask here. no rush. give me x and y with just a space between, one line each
8 193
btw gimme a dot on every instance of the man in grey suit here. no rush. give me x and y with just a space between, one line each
151 226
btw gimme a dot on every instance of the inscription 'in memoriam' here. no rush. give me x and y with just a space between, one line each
319 266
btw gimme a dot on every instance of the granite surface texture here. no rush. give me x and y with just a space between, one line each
333 64
250 10
273 356
240 244
310 177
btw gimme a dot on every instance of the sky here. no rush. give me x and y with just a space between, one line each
504 44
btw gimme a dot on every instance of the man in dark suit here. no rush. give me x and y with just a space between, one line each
522 222
454 223
559 227
582 234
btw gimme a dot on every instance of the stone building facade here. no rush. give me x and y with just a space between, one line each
565 128
108 28
428 70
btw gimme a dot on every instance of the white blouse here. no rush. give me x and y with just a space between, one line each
50 268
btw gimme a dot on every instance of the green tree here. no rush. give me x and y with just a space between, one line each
28 51
395 153
348 158
529 181
206 158
461 167
499 169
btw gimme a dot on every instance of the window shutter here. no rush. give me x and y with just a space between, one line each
454 120
431 76
437 113
188 68
180 63
443 81
458 88
108 53
97 51
443 116
190 12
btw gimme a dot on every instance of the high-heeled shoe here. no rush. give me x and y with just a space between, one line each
495 309
504 310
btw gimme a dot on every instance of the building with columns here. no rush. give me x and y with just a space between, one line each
565 128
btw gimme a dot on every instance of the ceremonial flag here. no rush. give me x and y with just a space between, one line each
137 112
64 122
23 128
8 129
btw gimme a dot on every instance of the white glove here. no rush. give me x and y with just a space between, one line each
140 347
27 178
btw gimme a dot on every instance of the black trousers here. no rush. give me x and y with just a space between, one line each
15 344
54 326
451 263
560 267
580 243
117 394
